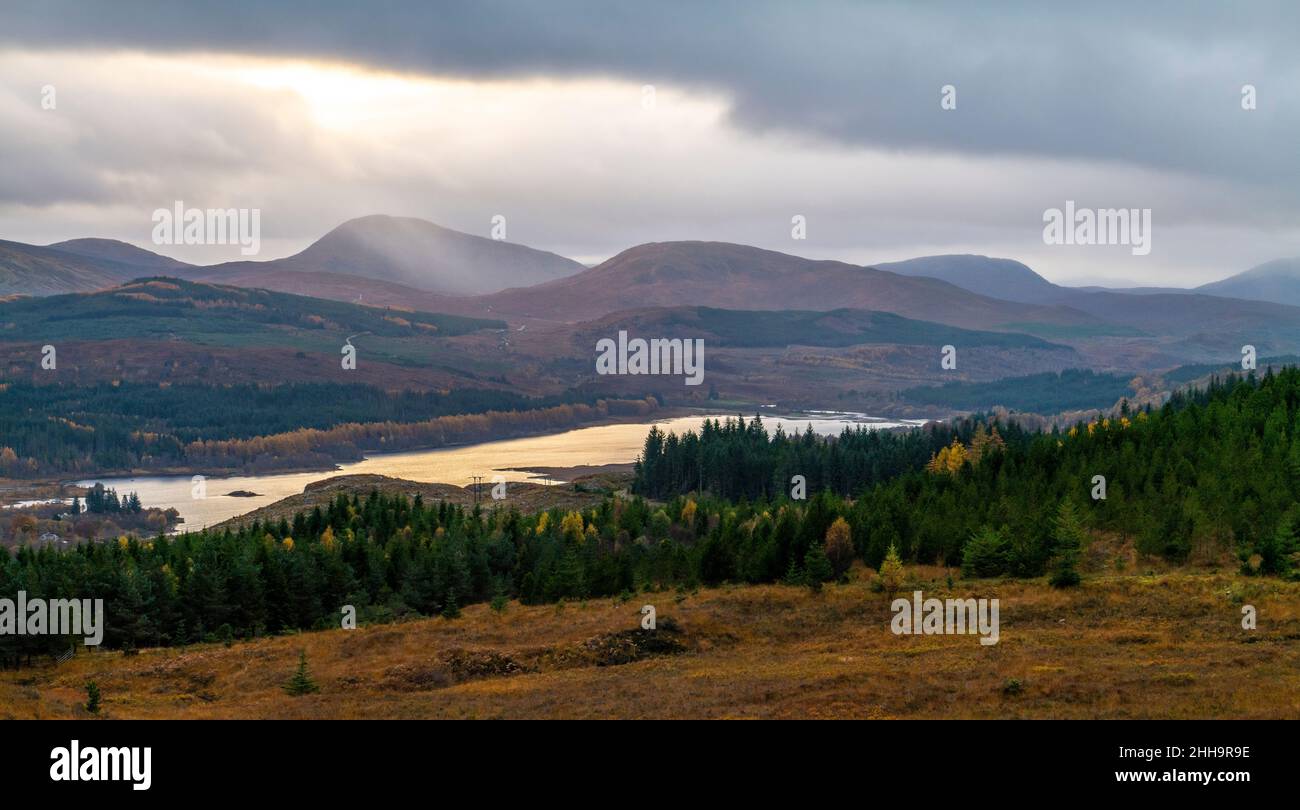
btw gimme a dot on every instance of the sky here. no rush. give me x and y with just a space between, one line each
592 127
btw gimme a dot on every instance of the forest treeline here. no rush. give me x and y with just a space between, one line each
1213 470
64 429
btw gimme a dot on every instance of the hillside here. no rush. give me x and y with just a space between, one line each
33 270
1255 307
1049 393
997 278
174 308
781 328
1164 646
1276 281
168 330
411 252
113 250
1204 322
728 276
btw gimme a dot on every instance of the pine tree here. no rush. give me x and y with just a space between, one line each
92 697
985 553
301 683
1069 537
817 569
450 609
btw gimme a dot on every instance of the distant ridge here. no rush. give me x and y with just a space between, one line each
731 276
412 252
1007 279
123 253
1277 281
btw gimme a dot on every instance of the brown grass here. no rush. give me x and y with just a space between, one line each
1119 647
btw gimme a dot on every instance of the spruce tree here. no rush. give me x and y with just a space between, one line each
817 568
450 609
1069 537
301 683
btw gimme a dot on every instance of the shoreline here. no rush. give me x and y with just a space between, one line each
597 475
14 490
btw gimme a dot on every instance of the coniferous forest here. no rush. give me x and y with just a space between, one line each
1212 475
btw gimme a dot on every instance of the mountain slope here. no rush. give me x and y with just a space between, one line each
33 270
729 276
412 252
1276 281
1254 306
120 253
1187 313
168 330
997 278
171 308
779 329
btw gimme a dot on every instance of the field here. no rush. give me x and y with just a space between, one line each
1166 645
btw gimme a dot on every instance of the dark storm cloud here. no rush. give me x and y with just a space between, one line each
1155 84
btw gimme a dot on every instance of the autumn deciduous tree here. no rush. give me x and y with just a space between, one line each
839 546
571 528
891 572
949 459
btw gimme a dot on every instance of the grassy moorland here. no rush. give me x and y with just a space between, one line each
1166 645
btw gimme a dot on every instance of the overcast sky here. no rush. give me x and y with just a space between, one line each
455 112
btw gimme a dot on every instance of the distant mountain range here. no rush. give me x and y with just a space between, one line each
399 257
411 264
